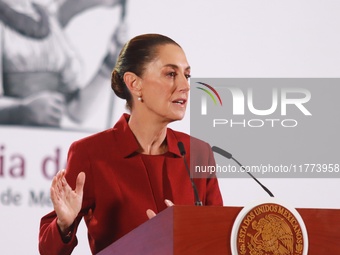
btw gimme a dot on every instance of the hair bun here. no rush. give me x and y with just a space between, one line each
118 85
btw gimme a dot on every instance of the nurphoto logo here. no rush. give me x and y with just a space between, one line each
242 102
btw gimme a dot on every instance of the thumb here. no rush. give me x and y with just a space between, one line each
80 183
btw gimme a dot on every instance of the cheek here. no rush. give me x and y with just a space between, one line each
160 92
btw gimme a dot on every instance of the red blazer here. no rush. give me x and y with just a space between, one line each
122 184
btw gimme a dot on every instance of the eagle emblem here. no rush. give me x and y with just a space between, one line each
273 236
269 229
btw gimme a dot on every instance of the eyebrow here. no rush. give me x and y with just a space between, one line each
176 66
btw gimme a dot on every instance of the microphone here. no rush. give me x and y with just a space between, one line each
229 156
198 202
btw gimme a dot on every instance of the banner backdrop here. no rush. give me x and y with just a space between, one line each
57 68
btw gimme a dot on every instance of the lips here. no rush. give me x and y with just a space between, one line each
179 101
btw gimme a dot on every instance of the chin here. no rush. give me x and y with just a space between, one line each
179 117
174 118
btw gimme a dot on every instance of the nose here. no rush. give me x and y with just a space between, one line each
183 83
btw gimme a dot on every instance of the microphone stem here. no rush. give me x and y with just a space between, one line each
252 176
198 202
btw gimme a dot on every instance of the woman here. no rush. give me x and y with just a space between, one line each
134 167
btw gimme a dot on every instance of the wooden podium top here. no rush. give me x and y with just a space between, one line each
207 230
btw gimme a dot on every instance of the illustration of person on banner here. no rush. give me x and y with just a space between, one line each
41 70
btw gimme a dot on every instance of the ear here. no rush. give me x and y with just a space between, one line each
133 83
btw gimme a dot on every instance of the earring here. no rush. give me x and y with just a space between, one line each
139 98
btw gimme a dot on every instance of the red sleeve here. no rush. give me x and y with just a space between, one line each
50 240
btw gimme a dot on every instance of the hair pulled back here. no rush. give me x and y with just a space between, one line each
134 56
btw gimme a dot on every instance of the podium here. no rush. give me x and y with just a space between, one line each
185 230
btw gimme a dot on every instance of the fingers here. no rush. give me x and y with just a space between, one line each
60 186
150 213
55 109
168 203
56 186
53 194
45 108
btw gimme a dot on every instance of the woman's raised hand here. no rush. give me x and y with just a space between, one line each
66 202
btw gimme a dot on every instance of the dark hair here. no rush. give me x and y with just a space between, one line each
135 54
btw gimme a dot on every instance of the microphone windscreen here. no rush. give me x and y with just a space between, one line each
181 148
222 152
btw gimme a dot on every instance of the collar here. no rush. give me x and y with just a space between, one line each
127 142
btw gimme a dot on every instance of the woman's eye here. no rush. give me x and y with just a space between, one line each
172 74
188 76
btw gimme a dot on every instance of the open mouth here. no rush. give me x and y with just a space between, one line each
179 101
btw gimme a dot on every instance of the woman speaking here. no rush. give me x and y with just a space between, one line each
119 178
